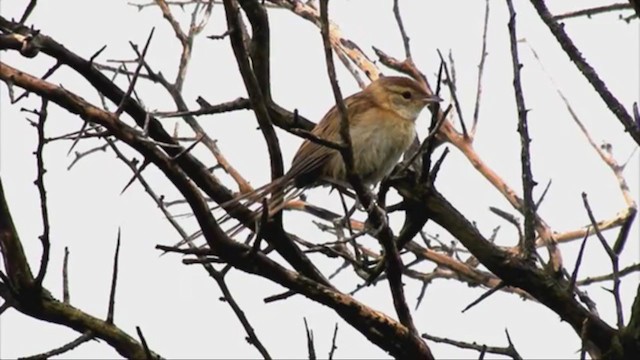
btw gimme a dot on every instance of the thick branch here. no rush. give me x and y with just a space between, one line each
515 272
257 96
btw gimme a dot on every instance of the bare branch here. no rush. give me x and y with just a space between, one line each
258 98
333 342
614 262
483 57
237 104
44 208
62 349
310 344
252 337
574 274
595 279
508 351
593 11
81 155
403 33
452 89
134 78
528 245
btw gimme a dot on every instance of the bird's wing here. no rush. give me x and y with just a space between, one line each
311 157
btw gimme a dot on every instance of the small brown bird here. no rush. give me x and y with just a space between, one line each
382 126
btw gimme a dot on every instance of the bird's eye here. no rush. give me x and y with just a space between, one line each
406 95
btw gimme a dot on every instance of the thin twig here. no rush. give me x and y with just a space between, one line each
136 174
79 135
423 291
594 11
80 155
614 262
508 351
454 95
237 104
66 297
114 281
511 219
6 305
623 272
310 344
143 341
252 337
333 342
484 296
96 54
62 349
483 57
427 140
347 152
32 5
574 274
134 78
544 193
318 140
403 33
46 75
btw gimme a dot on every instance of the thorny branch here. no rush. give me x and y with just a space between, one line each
528 207
44 208
483 58
594 11
509 350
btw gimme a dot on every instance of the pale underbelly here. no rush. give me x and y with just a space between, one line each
377 149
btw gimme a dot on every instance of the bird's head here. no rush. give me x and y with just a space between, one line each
404 96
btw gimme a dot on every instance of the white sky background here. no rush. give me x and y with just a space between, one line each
177 306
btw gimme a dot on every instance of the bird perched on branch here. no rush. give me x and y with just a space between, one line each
382 127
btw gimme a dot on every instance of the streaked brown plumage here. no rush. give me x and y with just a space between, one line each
382 126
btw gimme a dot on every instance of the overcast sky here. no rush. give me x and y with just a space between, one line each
177 306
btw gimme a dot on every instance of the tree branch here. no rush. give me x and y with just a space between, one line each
587 71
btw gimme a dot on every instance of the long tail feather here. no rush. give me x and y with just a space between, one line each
255 195
274 204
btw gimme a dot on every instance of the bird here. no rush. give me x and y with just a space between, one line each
382 127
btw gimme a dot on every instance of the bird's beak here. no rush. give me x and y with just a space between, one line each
430 99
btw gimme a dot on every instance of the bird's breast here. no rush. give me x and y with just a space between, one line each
378 145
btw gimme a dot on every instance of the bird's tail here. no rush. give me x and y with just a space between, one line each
276 194
281 195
